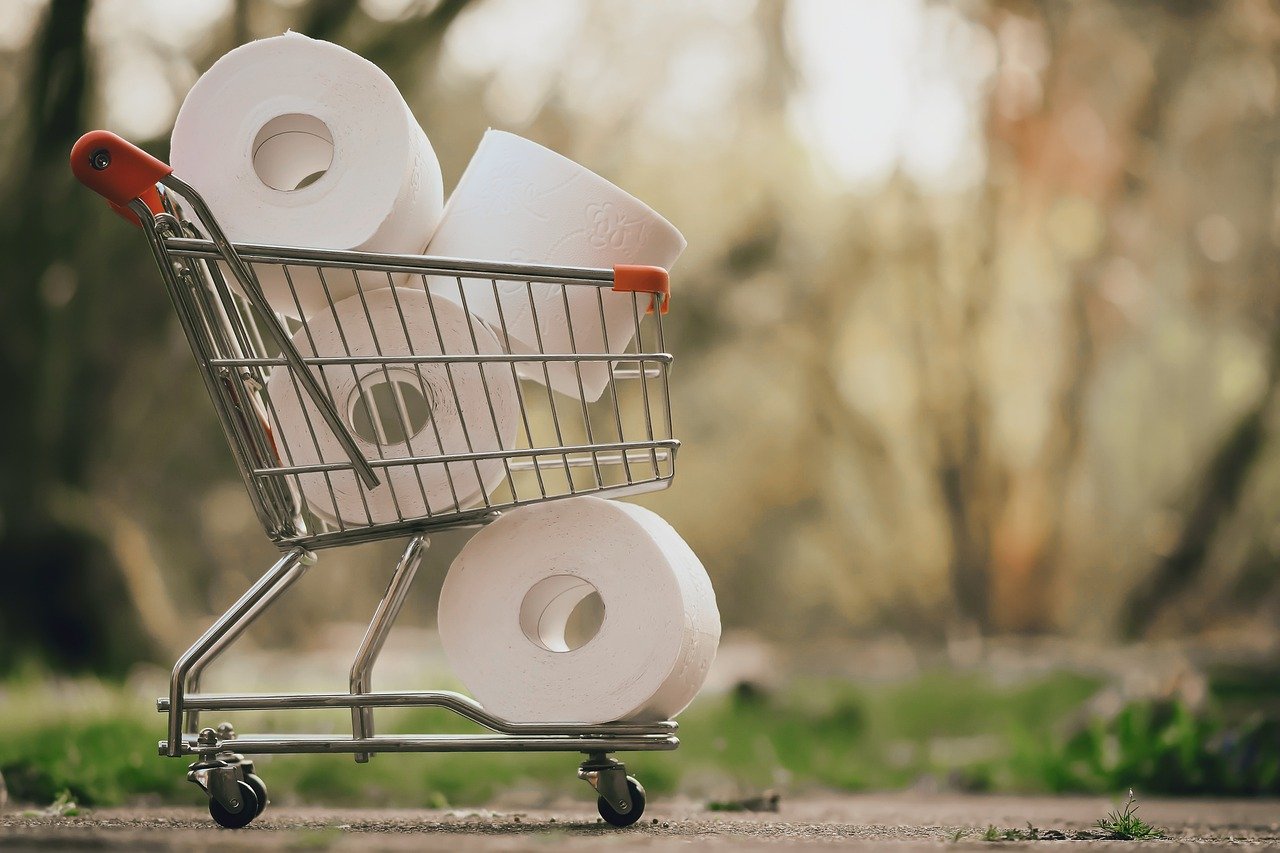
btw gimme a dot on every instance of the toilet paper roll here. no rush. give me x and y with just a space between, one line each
510 592
298 142
520 202
398 411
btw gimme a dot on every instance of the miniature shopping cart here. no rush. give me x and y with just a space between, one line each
621 444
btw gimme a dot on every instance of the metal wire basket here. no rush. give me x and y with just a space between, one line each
620 444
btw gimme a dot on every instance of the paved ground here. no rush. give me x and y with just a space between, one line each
906 821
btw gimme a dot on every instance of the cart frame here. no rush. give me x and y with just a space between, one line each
225 331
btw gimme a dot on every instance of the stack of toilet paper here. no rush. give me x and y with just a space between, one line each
299 142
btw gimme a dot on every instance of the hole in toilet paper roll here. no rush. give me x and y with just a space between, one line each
561 613
292 151
389 408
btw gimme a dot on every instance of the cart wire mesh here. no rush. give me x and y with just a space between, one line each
427 398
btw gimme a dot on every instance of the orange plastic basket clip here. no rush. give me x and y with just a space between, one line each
634 278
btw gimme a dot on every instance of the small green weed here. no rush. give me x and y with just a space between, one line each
1031 833
64 805
1125 825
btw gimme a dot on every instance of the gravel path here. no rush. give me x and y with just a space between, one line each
906 820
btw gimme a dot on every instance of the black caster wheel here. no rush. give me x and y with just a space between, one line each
259 789
236 820
637 806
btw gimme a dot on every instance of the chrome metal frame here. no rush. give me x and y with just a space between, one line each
371 646
228 331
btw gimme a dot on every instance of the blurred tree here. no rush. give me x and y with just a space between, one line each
66 598
1185 64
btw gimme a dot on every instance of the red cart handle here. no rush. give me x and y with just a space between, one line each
119 171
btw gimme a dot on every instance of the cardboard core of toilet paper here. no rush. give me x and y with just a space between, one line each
292 151
561 613
510 595
398 410
298 142
520 202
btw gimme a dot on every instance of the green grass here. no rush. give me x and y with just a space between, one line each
1159 746
98 744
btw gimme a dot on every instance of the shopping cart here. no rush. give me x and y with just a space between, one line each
621 444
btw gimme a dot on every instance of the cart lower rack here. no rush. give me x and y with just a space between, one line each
301 482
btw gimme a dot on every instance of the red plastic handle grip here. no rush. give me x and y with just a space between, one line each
116 169
633 278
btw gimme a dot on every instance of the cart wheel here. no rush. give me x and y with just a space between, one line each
259 787
236 820
636 790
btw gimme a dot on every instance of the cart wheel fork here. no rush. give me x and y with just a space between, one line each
236 794
609 777
221 780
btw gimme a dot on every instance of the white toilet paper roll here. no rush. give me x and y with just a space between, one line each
508 596
398 411
298 142
517 202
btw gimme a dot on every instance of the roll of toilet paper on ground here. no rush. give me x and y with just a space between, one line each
510 594
396 411
298 142
520 202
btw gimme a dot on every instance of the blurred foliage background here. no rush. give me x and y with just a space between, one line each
977 334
